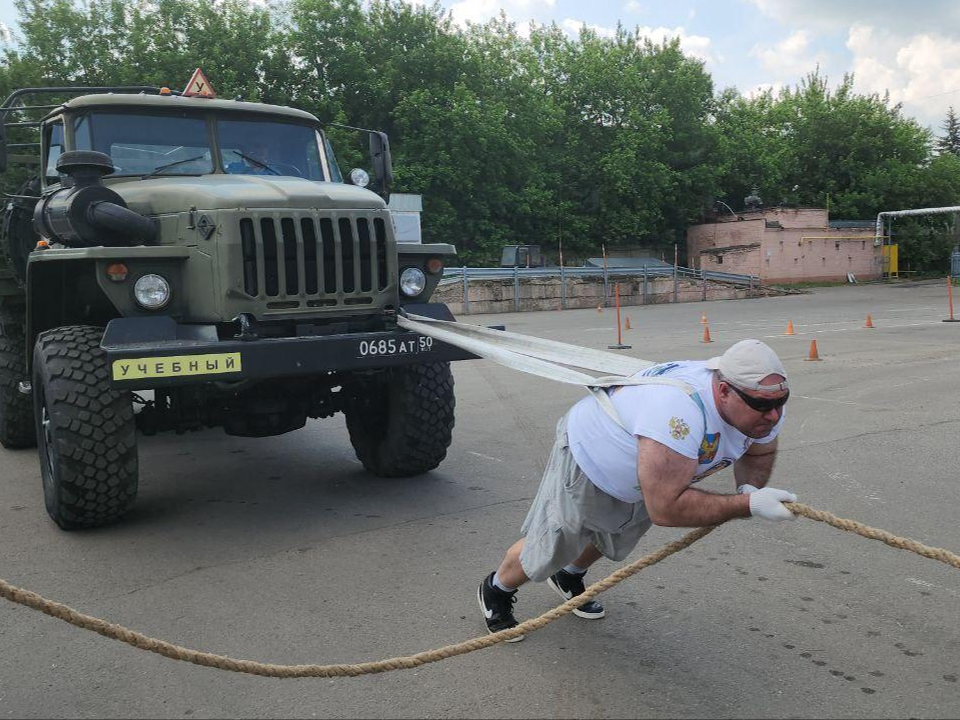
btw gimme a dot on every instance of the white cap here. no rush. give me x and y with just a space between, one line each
746 363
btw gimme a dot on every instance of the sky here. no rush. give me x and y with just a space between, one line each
911 49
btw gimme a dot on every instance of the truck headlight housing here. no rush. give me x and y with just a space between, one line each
152 292
359 177
412 281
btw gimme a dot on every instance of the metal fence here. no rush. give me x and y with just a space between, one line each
464 275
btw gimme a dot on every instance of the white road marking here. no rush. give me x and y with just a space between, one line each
485 457
924 583
842 402
848 329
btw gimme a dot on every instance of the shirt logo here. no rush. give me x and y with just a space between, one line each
678 428
725 463
658 370
708 448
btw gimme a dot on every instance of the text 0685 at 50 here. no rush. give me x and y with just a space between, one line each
393 346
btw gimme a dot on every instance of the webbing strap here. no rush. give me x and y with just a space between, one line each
545 358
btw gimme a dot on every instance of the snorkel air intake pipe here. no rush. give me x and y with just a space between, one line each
84 212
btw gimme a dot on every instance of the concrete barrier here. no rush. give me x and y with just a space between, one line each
498 296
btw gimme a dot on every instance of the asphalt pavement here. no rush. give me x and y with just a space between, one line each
285 550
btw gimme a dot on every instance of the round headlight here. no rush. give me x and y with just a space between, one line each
359 177
412 281
152 292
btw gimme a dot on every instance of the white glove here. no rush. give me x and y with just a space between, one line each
746 489
768 503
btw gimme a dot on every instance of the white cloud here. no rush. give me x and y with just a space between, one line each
911 50
790 58
633 7
519 11
922 71
698 46
6 34
572 28
760 89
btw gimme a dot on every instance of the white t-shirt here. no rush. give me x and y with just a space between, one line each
608 455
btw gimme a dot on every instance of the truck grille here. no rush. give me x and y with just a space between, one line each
312 260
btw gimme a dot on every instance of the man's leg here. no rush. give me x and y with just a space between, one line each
588 557
544 547
496 594
498 590
510 574
568 582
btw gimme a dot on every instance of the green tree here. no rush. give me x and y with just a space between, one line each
633 149
950 142
510 137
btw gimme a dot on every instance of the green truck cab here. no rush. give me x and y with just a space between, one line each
183 262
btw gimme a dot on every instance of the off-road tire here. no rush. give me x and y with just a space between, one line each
401 422
17 429
85 430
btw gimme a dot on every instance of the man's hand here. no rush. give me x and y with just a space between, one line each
768 504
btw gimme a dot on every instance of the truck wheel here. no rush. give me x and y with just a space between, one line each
16 409
401 423
85 430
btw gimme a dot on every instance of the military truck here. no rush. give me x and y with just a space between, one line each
183 262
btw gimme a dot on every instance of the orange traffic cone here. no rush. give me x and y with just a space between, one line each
869 323
789 328
813 351
703 318
706 334
628 324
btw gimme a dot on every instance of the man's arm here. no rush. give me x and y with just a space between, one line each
665 477
755 466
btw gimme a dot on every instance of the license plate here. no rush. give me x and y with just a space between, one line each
176 366
387 347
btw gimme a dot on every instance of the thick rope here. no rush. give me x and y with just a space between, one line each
872 533
176 652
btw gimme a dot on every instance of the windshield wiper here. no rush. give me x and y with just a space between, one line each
160 169
261 163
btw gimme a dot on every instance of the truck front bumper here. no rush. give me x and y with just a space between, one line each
145 353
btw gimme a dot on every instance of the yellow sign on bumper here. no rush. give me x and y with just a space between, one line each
176 366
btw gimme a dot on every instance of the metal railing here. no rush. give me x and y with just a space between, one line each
464 275
454 274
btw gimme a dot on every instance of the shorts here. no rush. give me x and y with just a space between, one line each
570 512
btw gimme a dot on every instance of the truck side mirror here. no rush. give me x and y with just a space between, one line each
382 162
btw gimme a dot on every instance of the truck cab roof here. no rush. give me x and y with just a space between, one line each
179 102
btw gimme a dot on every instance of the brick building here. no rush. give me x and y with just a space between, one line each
785 245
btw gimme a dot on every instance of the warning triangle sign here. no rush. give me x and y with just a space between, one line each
199 86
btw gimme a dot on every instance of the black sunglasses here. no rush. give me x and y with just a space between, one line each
761 404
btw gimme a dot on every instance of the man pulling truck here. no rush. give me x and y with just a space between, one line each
608 480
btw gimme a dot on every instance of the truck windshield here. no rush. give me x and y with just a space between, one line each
255 147
140 144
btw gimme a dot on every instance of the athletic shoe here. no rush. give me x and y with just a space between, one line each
568 585
497 607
